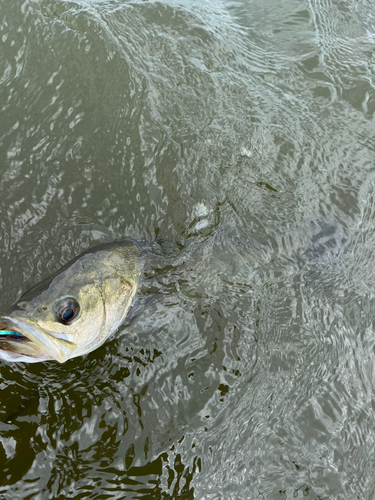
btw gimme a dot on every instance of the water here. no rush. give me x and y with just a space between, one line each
236 129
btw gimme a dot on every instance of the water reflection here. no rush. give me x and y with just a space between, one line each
233 130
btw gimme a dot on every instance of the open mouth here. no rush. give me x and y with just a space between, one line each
6 334
15 346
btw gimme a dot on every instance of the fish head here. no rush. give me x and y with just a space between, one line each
76 310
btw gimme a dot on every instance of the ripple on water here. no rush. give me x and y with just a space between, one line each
235 130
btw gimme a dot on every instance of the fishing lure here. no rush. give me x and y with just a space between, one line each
14 335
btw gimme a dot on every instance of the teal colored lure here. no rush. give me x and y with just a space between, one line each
14 335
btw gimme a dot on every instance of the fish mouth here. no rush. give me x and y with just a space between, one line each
21 341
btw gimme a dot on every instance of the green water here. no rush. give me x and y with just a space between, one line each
228 127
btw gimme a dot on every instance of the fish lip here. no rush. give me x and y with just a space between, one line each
40 337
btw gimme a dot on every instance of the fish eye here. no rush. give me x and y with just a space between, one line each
67 309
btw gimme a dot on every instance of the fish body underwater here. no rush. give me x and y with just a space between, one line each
74 311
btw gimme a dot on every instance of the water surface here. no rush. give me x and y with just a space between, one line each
238 130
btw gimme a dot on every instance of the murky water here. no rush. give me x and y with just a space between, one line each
240 130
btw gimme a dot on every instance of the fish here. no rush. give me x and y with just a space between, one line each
74 311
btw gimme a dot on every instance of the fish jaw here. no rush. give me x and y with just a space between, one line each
50 348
